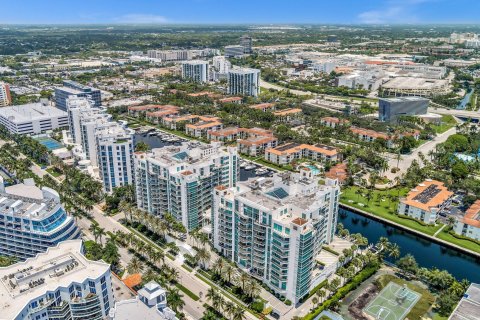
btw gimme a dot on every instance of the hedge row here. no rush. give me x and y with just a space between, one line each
343 291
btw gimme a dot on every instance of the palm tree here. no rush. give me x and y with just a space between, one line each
253 289
315 301
94 230
394 251
229 308
242 279
101 233
135 266
228 273
213 296
126 208
321 293
450 221
218 265
203 257
239 313
174 299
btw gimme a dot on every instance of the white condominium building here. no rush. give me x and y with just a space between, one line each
105 143
221 65
32 220
244 81
115 155
274 228
195 70
60 284
180 179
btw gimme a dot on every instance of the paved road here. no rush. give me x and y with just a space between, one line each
268 85
406 160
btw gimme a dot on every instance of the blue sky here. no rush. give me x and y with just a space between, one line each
240 11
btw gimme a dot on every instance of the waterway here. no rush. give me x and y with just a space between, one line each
427 253
463 103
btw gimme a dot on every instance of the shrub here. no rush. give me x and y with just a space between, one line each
257 306
288 302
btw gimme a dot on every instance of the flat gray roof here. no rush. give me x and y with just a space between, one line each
30 112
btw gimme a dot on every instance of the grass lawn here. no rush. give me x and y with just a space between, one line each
422 306
471 245
447 122
188 292
54 172
184 266
385 209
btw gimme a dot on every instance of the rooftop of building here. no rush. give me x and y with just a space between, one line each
30 112
204 124
230 99
187 152
472 215
415 83
14 200
59 266
238 70
262 106
293 147
334 120
288 111
469 307
404 99
428 194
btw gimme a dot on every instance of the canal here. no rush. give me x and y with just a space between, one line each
427 253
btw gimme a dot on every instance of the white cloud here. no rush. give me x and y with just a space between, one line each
394 11
141 18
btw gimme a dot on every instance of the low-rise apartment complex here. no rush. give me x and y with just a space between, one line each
251 141
425 201
468 225
289 152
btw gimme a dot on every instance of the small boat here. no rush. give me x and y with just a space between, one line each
242 165
261 171
250 167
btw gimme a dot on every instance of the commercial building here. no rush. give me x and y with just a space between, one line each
234 51
244 81
170 55
180 179
411 86
468 225
106 144
246 43
425 201
150 303
60 284
33 118
32 220
72 88
289 152
390 109
5 97
195 70
274 228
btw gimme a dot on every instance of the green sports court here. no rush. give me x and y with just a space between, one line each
394 302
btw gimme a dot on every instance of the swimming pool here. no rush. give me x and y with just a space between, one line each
313 168
50 143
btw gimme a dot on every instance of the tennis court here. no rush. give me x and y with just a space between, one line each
50 143
394 302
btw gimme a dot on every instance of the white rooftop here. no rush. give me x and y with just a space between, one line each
415 83
59 266
31 111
